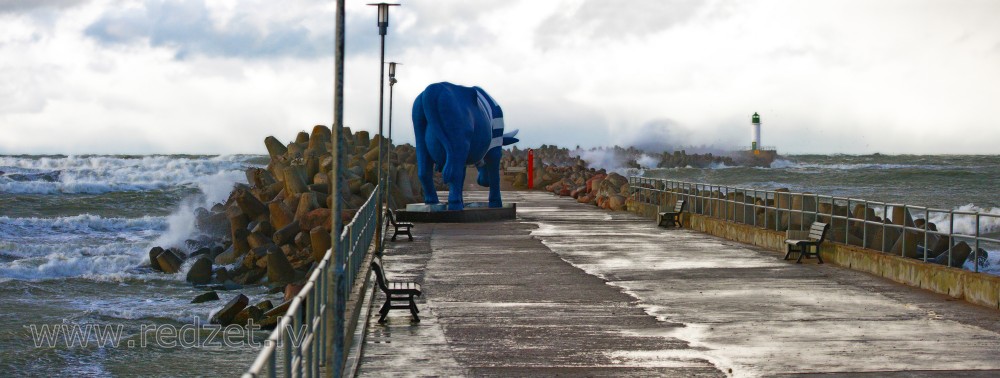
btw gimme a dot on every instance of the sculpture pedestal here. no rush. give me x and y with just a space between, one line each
473 212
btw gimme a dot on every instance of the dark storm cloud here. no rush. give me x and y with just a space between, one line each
611 20
186 27
20 6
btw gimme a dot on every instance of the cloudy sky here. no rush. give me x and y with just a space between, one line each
217 76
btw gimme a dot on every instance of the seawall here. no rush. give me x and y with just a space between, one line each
978 288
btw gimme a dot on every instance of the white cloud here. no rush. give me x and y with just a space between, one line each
219 76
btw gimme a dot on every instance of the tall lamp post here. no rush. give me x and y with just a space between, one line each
388 169
383 27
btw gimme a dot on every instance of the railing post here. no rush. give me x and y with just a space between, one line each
975 253
927 220
951 233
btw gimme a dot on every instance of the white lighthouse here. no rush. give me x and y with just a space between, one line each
755 142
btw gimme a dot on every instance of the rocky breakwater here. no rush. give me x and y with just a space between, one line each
274 228
859 226
557 171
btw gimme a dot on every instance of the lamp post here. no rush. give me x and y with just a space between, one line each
383 27
388 169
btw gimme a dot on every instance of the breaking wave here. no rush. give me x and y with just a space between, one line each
103 174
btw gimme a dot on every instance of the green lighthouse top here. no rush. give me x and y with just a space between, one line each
756 118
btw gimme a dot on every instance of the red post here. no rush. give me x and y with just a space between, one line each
531 169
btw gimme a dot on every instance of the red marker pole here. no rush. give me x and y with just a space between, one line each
531 169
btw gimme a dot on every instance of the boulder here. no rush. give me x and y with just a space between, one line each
295 179
317 218
307 202
959 253
275 148
286 234
250 277
279 271
258 240
228 312
319 242
205 297
291 290
227 257
155 251
201 272
616 202
221 275
249 205
248 314
265 305
281 215
169 261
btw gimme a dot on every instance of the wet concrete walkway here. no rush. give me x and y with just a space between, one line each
569 289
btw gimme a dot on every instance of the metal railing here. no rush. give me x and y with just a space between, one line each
298 345
859 225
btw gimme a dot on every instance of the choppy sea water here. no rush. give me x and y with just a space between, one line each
75 232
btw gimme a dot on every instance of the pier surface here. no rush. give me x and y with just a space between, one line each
570 289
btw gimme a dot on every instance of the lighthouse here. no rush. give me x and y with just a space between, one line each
755 141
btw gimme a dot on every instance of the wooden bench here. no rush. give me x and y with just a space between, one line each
806 242
396 292
399 227
671 218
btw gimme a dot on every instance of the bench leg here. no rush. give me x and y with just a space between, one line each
818 257
384 311
409 235
802 252
394 235
413 310
788 251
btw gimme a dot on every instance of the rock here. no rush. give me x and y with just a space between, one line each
281 215
259 178
227 257
258 240
263 227
279 271
169 261
228 312
317 218
155 251
265 305
205 297
250 277
901 216
291 290
286 234
295 179
911 239
221 275
616 203
201 272
248 314
302 239
319 242
307 203
275 148
249 204
959 253
321 135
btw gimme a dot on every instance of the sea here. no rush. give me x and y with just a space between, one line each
75 232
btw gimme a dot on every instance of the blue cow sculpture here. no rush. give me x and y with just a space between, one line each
456 126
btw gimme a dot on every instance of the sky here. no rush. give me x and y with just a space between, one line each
218 76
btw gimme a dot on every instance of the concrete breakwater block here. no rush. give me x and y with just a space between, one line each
473 212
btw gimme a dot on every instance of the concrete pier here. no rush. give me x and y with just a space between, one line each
569 289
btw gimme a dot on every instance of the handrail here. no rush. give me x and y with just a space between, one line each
298 342
724 202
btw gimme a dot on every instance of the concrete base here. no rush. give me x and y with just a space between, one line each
473 212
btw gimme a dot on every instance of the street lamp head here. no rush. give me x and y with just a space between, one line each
383 16
392 69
